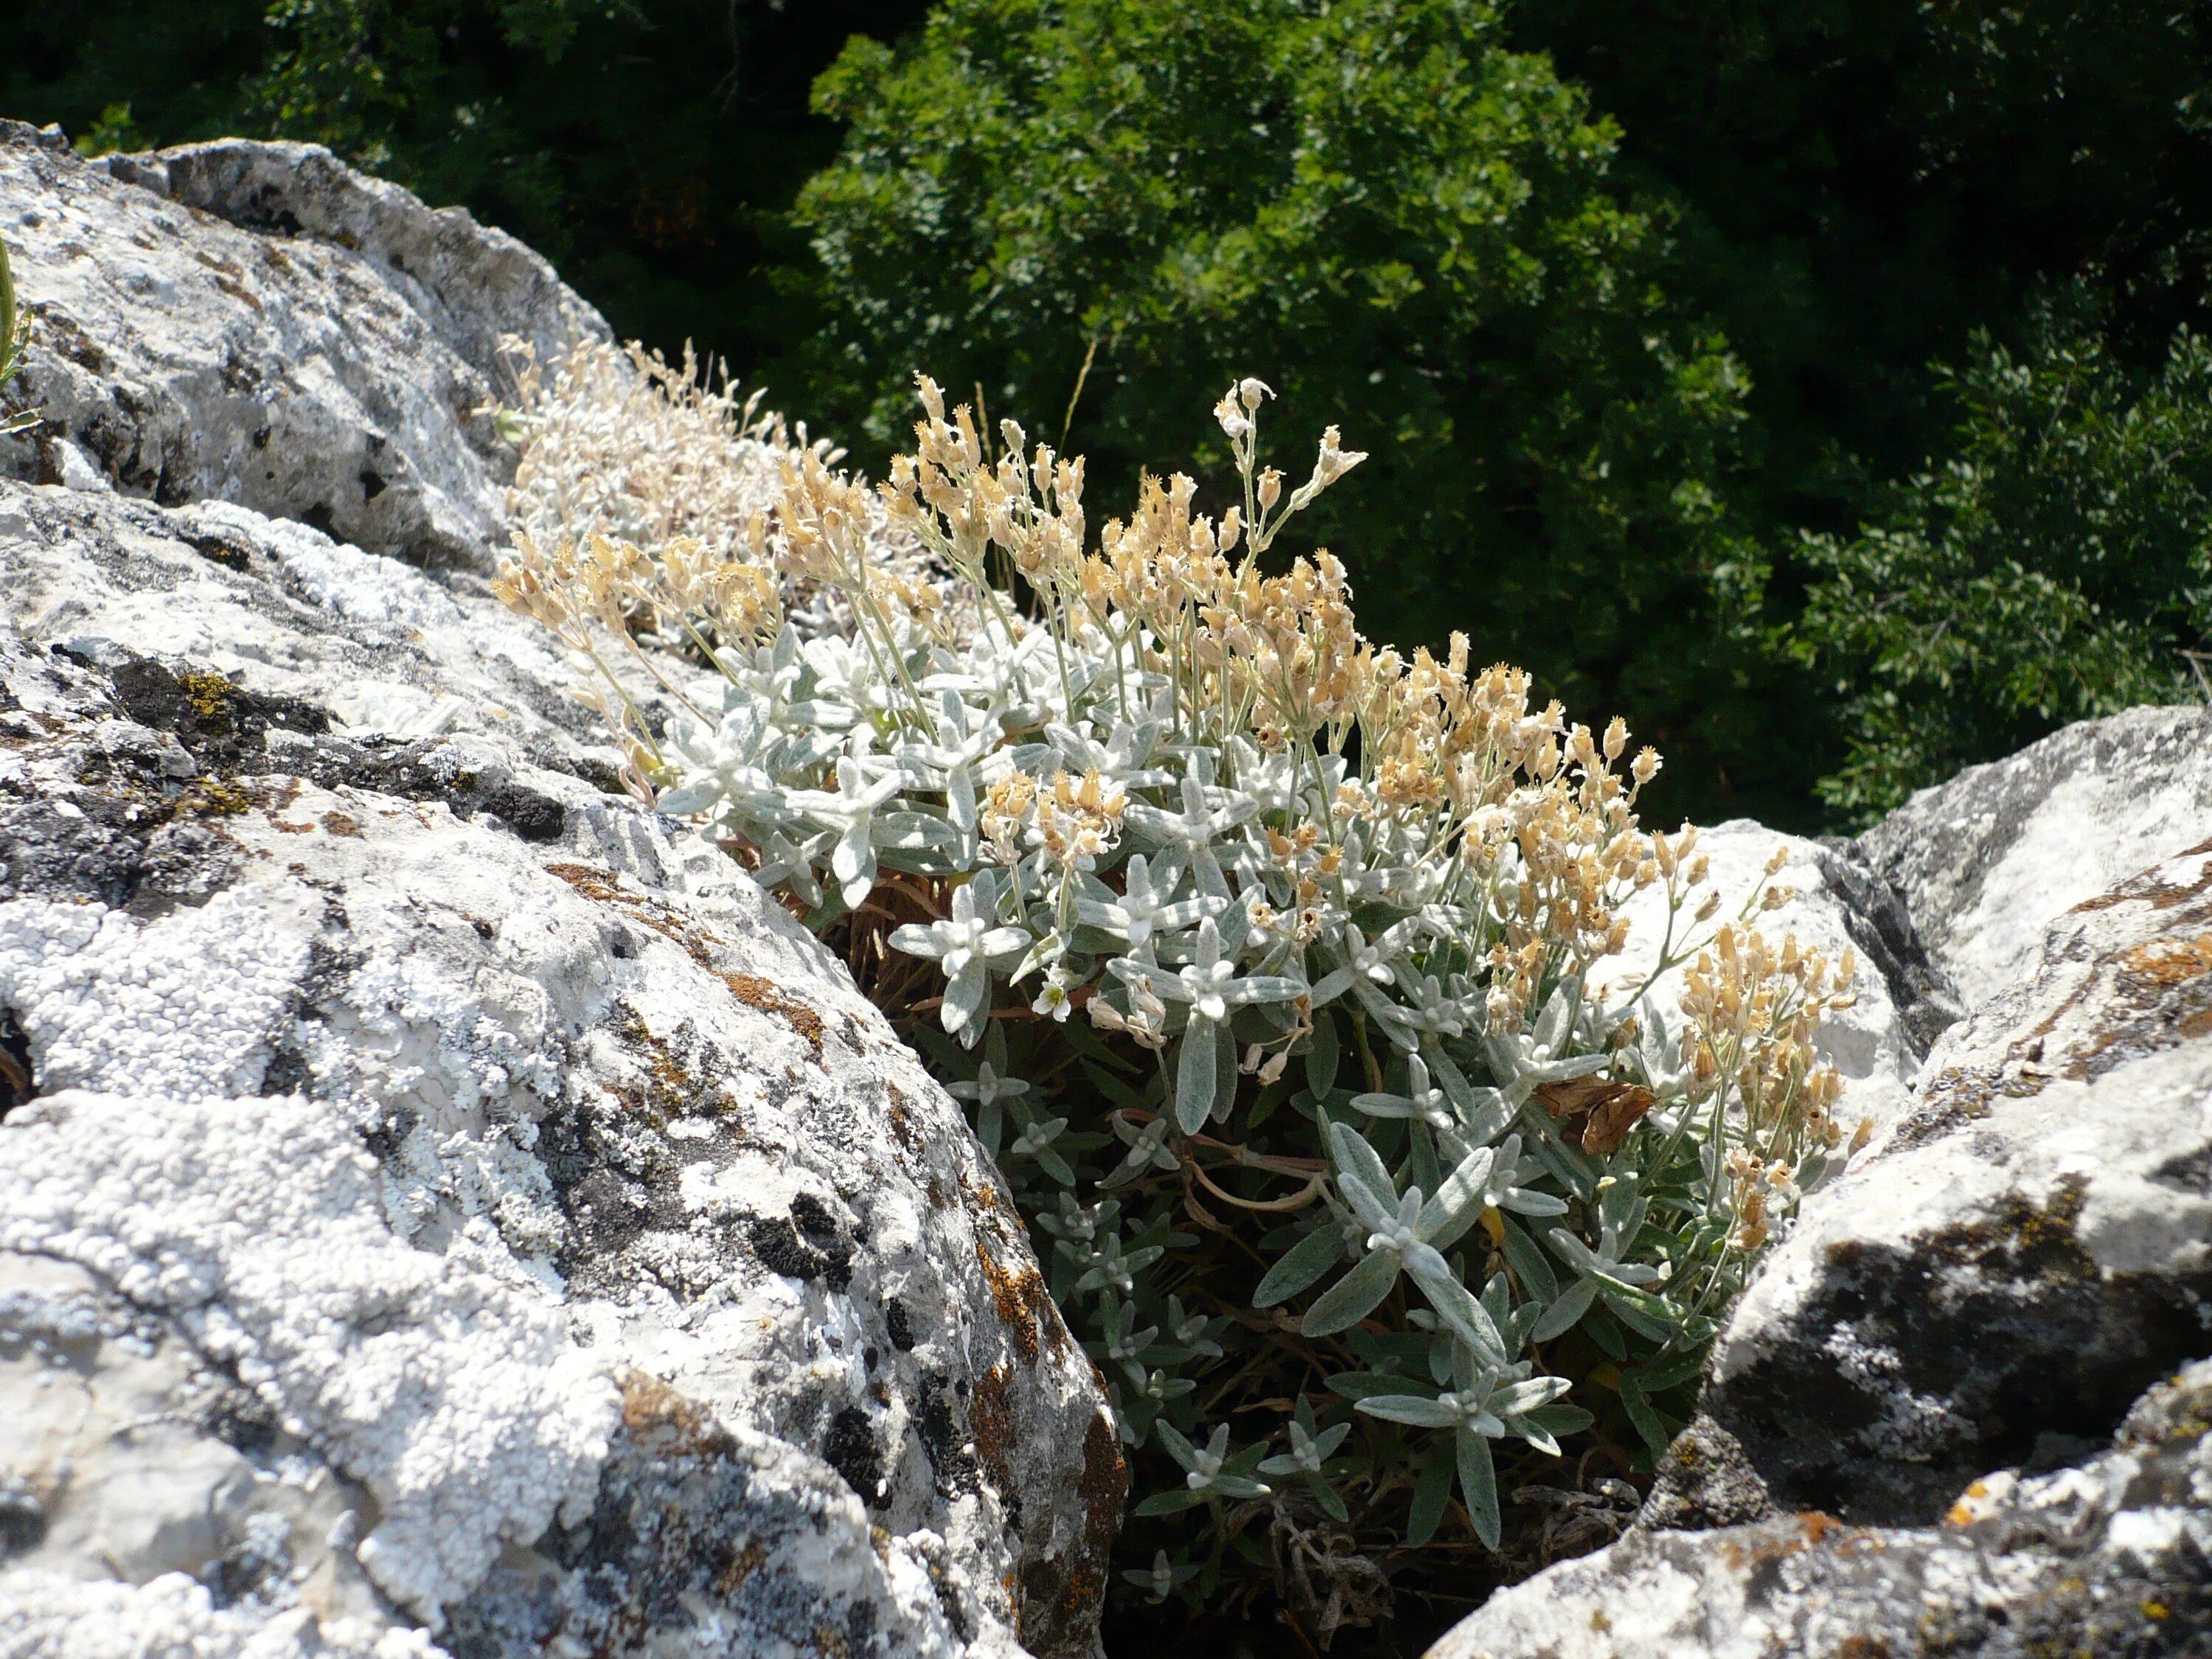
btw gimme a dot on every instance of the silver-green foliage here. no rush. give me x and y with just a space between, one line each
1263 960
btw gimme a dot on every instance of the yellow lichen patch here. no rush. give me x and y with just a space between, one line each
214 798
209 695
2165 962
756 992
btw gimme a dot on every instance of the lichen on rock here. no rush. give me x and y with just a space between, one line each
512 1222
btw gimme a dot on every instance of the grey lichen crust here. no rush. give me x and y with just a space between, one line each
516 1226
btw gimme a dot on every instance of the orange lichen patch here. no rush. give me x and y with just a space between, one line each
341 823
668 1423
1816 1525
742 1566
2159 895
591 883
1778 1539
601 886
756 992
1863 1647
696 943
2165 962
1009 1296
1968 1509
901 1119
990 1421
1025 1306
1104 1488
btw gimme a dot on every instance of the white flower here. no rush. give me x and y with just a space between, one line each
1053 1001
967 947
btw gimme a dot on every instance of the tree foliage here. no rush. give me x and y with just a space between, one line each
1390 215
1623 297
647 147
2057 566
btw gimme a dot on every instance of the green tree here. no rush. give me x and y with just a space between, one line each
649 148
2057 566
1379 208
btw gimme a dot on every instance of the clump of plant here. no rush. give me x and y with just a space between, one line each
1262 957
638 512
620 442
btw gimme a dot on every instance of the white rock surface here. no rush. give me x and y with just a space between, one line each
1878 1044
440 1143
1928 1369
2105 1559
258 324
457 1400
1986 860
2029 1252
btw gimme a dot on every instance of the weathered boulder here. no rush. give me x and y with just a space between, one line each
1975 1309
2030 1252
258 324
2107 1559
439 1205
1984 861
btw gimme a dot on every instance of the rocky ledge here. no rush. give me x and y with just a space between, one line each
1963 1408
440 1208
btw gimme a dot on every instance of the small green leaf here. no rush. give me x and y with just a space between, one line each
1657 1374
1528 1264
1647 1420
1431 1491
1559 1418
1194 1078
1306 1261
1361 1385
1478 1484
1169 1503
1353 1297
1321 1056
1326 1496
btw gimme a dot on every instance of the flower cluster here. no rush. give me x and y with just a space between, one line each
1260 953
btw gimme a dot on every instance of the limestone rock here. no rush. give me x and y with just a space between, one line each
258 324
2105 1559
2031 1251
440 1206
1930 1371
1986 860
474 285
